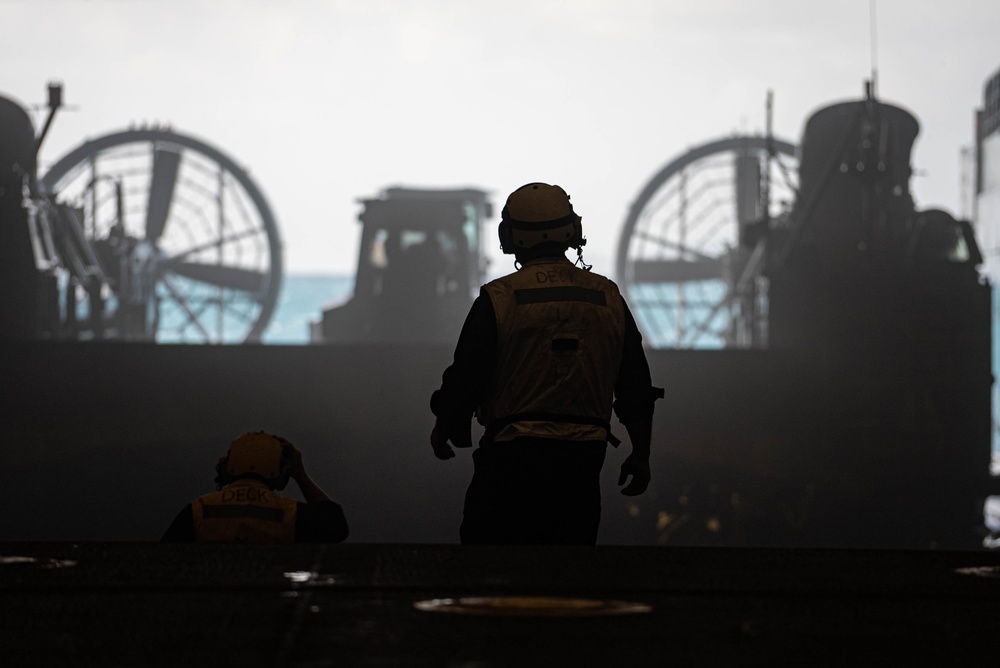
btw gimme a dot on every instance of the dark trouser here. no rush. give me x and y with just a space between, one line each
534 491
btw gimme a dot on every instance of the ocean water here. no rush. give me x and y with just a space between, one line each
302 300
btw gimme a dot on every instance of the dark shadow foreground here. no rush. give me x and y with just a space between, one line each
127 604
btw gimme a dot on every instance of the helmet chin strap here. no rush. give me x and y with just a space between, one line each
579 257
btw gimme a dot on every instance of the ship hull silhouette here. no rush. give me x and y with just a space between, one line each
864 422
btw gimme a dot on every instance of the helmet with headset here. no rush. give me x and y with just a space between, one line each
538 219
257 455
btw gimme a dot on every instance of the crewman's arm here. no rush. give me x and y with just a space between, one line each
320 519
465 381
635 397
310 490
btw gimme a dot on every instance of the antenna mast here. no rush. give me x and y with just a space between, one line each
765 185
873 22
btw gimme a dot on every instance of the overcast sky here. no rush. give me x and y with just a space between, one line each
326 101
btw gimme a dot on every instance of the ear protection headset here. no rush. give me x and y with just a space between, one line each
539 213
256 455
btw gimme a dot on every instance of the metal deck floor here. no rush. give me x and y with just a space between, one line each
148 604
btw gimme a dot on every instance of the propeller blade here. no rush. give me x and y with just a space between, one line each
221 276
691 335
183 303
677 271
161 191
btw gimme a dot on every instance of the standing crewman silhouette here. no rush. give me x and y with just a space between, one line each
545 354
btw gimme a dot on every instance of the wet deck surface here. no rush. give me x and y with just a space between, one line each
145 604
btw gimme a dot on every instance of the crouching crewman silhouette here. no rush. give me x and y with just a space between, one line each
248 508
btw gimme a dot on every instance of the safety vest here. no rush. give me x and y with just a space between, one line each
246 511
559 347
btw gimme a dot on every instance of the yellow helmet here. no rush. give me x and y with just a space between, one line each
256 455
539 216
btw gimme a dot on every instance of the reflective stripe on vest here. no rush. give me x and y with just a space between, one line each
559 345
247 511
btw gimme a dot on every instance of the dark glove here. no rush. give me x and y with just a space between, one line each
459 432
637 467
